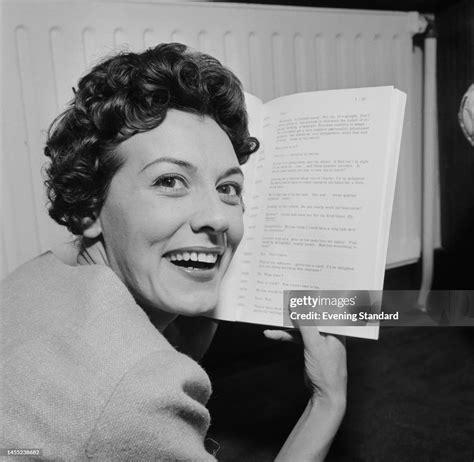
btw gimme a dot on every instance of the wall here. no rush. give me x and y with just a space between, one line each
47 45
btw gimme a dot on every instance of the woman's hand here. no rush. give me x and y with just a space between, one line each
326 373
325 361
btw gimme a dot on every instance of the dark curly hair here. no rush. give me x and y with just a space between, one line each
124 95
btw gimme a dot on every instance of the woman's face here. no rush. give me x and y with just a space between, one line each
172 218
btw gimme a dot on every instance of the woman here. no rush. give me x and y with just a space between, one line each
145 169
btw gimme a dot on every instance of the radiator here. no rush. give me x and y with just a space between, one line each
274 50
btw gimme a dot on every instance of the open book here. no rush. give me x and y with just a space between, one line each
318 199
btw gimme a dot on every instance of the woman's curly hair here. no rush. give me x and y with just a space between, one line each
127 94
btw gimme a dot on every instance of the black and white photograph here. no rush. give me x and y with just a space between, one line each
237 231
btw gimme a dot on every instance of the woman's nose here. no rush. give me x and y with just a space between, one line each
210 215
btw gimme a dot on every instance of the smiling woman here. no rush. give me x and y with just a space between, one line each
176 196
145 171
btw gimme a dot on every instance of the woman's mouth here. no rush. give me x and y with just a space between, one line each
194 260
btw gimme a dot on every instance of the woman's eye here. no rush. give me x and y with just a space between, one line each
230 189
231 192
170 183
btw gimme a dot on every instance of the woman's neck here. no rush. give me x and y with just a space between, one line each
92 252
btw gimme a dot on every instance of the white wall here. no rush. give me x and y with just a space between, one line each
47 45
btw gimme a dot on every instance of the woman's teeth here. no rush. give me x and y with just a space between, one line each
193 256
196 260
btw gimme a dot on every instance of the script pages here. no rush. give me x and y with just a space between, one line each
318 198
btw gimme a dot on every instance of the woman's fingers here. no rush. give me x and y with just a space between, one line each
312 337
282 335
309 335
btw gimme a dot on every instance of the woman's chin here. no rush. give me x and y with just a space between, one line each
192 306
188 296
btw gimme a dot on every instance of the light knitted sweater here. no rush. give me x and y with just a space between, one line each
86 376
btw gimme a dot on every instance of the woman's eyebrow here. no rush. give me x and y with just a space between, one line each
231 171
171 160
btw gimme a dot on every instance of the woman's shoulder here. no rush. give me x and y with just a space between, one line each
75 332
46 284
48 270
48 298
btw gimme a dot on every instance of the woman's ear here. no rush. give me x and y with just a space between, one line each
92 227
